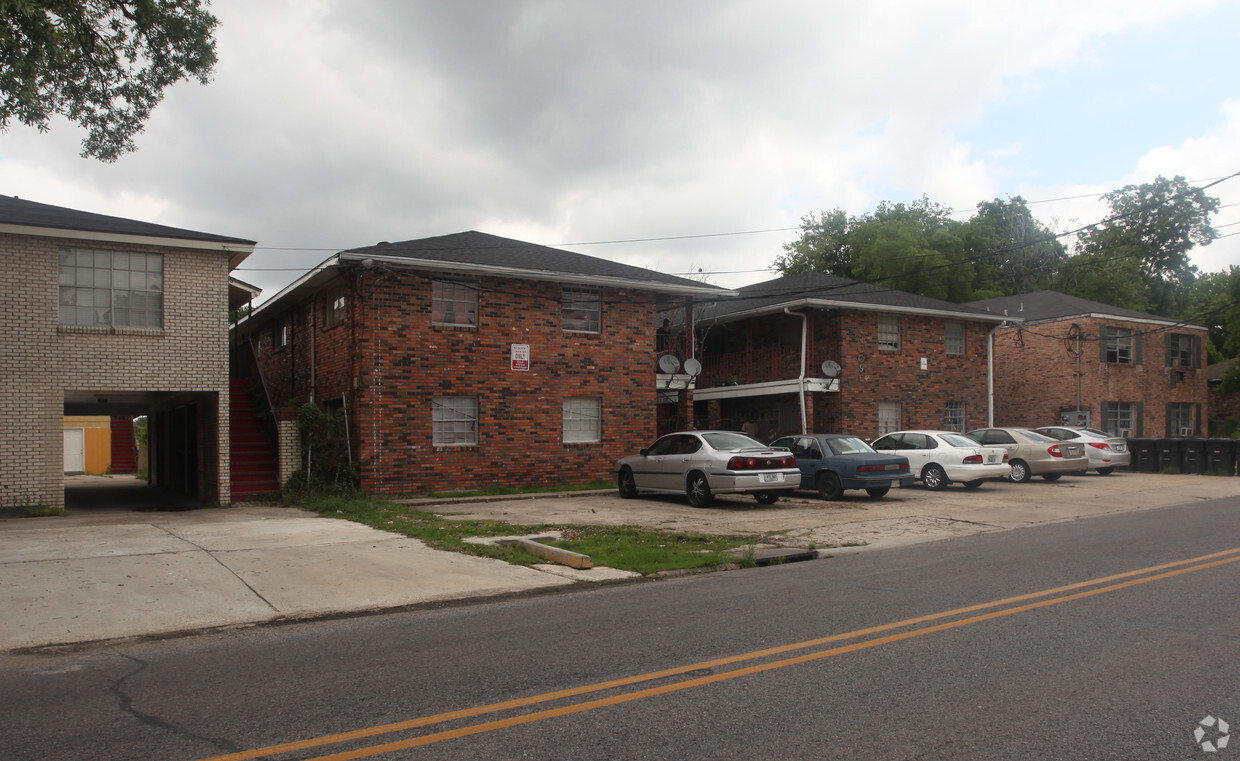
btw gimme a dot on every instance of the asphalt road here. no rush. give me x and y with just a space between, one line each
1105 638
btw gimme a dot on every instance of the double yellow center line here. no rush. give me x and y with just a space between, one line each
914 627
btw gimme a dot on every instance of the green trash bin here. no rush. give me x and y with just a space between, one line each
1193 456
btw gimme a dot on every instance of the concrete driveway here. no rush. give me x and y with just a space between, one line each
107 571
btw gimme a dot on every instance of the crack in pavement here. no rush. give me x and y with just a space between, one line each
126 705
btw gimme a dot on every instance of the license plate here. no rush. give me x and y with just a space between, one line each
993 458
893 466
772 478
1073 451
1121 447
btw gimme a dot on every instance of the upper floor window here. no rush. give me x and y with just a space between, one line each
955 337
282 335
1118 345
121 290
582 308
889 332
583 420
336 308
1181 350
454 420
454 303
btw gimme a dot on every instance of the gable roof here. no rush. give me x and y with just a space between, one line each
22 217
1048 306
483 253
817 289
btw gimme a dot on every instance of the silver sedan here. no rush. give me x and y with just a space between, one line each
1105 452
701 464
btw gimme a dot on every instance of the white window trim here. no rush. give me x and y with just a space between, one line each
885 343
586 300
583 420
446 411
454 322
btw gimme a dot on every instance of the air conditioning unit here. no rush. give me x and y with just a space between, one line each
1186 431
1125 433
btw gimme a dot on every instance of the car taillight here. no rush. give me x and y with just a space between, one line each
761 463
973 459
1054 451
1005 456
1099 445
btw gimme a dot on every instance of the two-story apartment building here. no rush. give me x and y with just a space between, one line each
1079 362
102 315
471 360
819 353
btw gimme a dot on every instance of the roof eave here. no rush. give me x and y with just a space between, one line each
237 251
836 304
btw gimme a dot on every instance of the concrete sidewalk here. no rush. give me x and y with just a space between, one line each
104 574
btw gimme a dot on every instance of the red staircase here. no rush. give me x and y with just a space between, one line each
252 463
124 450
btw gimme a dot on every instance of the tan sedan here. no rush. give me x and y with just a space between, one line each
1034 454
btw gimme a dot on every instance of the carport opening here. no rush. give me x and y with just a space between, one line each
139 450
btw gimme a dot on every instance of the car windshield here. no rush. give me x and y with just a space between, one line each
729 441
850 445
957 440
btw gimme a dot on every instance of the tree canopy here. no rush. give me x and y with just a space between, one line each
104 64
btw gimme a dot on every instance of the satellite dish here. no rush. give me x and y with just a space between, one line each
668 364
831 368
693 367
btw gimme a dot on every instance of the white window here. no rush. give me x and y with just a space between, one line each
583 310
583 420
888 417
1117 345
283 338
955 338
454 303
111 288
454 420
336 308
953 417
889 332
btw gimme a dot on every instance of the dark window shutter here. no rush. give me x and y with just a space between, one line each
1168 431
1102 343
1197 420
1140 421
1136 347
1169 344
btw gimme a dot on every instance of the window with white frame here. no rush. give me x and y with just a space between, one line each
1119 418
954 338
1117 345
583 420
336 305
282 335
889 332
953 417
454 302
1181 420
888 417
582 309
454 420
113 288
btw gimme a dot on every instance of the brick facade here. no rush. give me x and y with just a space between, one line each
386 362
767 348
184 365
1036 375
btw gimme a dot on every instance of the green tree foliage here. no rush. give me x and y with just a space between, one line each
1016 253
102 63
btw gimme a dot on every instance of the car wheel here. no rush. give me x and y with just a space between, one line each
1020 471
766 497
973 484
698 490
934 477
1105 471
878 491
1052 476
626 484
829 486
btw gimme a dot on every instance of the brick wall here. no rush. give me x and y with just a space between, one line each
42 360
1036 375
390 362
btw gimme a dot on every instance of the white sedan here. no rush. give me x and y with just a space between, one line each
701 464
939 458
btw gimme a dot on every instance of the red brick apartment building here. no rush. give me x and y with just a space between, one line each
1078 362
470 360
830 355
105 316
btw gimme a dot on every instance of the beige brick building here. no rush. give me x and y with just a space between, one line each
109 316
1079 362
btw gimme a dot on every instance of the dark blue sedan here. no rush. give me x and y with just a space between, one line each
832 462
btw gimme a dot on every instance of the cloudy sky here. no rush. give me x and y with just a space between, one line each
687 137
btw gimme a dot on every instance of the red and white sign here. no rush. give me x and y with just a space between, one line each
521 357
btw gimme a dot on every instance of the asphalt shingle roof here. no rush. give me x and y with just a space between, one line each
1052 305
798 289
19 211
485 250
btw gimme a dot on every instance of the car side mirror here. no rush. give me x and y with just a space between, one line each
644 451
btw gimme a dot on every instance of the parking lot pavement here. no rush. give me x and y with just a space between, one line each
906 515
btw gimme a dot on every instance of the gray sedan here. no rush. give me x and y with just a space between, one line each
701 464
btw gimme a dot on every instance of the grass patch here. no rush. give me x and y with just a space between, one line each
497 491
625 547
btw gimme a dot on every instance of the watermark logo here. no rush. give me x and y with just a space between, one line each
1212 734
